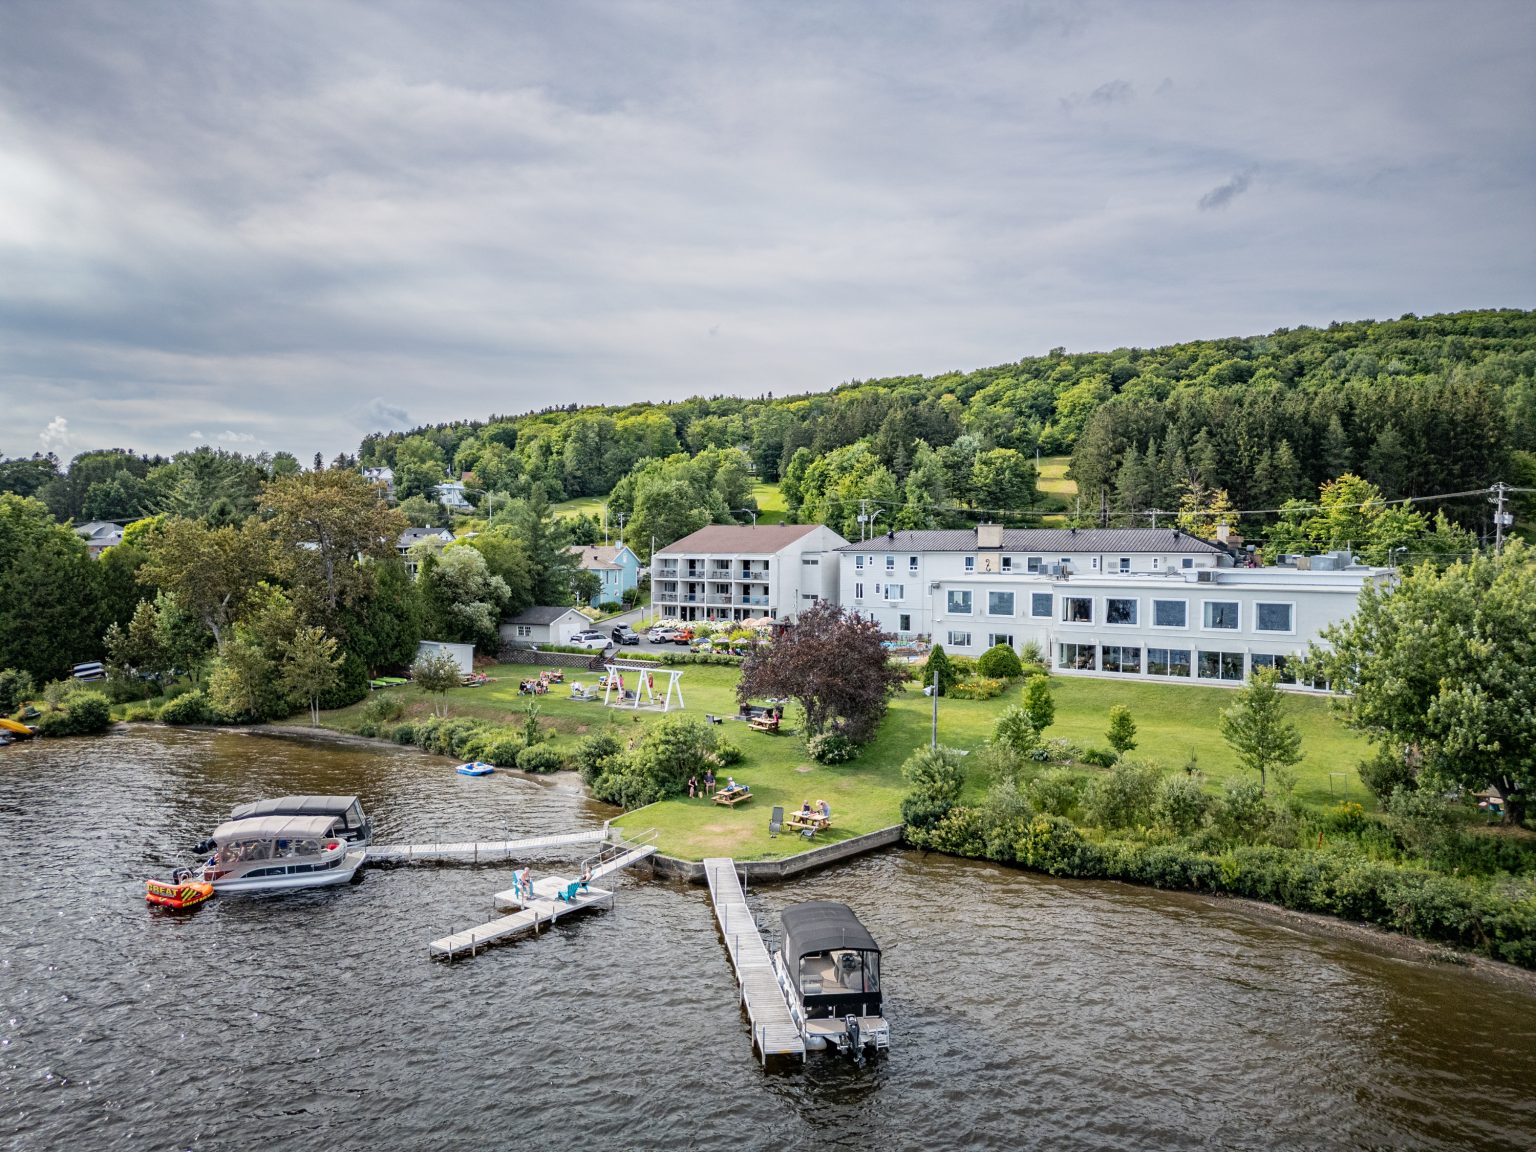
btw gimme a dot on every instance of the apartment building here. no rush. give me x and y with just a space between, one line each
741 572
1149 603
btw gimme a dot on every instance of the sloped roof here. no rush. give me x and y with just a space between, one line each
416 535
1042 540
739 538
595 557
540 614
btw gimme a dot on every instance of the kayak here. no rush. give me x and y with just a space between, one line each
16 727
476 768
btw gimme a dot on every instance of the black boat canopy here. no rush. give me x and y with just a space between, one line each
822 926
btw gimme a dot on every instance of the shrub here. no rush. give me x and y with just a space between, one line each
1384 772
540 758
978 688
1098 757
594 754
1000 662
16 688
608 607
727 754
141 710
350 685
404 733
631 597
1242 814
940 666
1016 730
1029 653
188 708
1181 805
383 708
84 713
936 778
1124 798
502 749
831 748
1055 792
1060 751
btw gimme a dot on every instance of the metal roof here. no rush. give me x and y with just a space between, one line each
274 828
748 538
821 926
332 806
1041 540
541 614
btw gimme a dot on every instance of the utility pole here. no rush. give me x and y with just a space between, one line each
1499 516
622 518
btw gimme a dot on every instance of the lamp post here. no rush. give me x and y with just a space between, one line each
752 512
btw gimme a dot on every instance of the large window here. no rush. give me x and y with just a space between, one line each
996 638
959 601
1221 665
959 640
1032 564
895 591
999 603
1077 609
1167 661
1119 611
1118 658
1283 666
1272 618
1221 614
1170 614
1040 605
1079 656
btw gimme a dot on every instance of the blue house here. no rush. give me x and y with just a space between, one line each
616 567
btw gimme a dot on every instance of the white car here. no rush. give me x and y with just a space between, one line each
591 640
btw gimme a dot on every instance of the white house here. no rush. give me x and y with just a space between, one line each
739 572
384 476
541 625
451 496
99 535
1149 603
437 537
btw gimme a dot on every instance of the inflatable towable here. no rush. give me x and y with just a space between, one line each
186 894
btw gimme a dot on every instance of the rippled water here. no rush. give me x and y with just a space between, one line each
1026 1012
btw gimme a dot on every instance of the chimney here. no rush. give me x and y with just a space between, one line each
989 535
1223 533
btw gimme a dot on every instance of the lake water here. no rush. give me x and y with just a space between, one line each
1026 1012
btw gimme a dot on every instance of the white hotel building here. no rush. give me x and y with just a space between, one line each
1151 603
738 572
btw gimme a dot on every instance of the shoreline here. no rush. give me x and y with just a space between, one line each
1315 924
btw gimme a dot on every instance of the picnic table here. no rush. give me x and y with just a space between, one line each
765 723
731 797
812 822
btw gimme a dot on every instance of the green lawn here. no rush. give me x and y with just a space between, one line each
582 506
866 795
770 503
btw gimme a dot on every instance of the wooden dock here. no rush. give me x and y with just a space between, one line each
546 907
773 1030
480 851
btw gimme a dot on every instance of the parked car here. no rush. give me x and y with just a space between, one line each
663 634
682 636
591 640
624 634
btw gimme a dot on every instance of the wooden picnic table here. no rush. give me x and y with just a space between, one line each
764 724
731 797
800 821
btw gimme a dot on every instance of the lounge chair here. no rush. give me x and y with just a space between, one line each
776 821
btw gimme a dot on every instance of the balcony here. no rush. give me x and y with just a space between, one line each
757 601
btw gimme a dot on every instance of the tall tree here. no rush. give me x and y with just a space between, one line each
323 523
311 668
1258 729
210 571
48 592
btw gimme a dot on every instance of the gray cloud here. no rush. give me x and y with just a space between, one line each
1223 194
305 222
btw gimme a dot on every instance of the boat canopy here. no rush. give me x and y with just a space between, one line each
822 926
274 828
333 806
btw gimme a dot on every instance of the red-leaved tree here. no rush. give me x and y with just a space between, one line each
831 663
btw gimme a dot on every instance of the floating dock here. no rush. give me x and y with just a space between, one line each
480 851
547 906
773 1030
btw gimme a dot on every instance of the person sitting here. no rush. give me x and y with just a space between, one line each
805 808
585 882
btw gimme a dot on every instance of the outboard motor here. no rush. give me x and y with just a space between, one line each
204 846
855 1044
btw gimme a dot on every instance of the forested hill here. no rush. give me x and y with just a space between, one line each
1418 405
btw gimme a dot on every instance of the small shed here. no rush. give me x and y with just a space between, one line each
464 654
543 625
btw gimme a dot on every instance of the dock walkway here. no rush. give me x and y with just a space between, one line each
546 907
773 1030
480 851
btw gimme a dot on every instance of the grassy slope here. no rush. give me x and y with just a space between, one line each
866 794
582 506
770 502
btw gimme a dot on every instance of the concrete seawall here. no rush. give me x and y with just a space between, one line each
773 871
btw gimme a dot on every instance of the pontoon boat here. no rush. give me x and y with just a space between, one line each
829 969
346 811
274 853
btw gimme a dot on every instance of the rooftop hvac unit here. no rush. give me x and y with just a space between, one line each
1053 569
1205 575
1328 563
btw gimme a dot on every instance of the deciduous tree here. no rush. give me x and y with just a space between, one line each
1258 729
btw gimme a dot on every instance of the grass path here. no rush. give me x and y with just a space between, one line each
581 506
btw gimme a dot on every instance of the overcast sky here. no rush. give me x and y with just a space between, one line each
281 225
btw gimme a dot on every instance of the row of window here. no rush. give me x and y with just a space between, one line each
1010 563
1168 661
1216 615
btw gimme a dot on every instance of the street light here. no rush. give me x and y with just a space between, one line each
1395 551
752 512
866 523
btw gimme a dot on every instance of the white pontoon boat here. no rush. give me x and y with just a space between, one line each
274 853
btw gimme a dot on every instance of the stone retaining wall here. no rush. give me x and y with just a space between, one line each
775 871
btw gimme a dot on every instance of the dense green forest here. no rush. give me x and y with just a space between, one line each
1416 406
